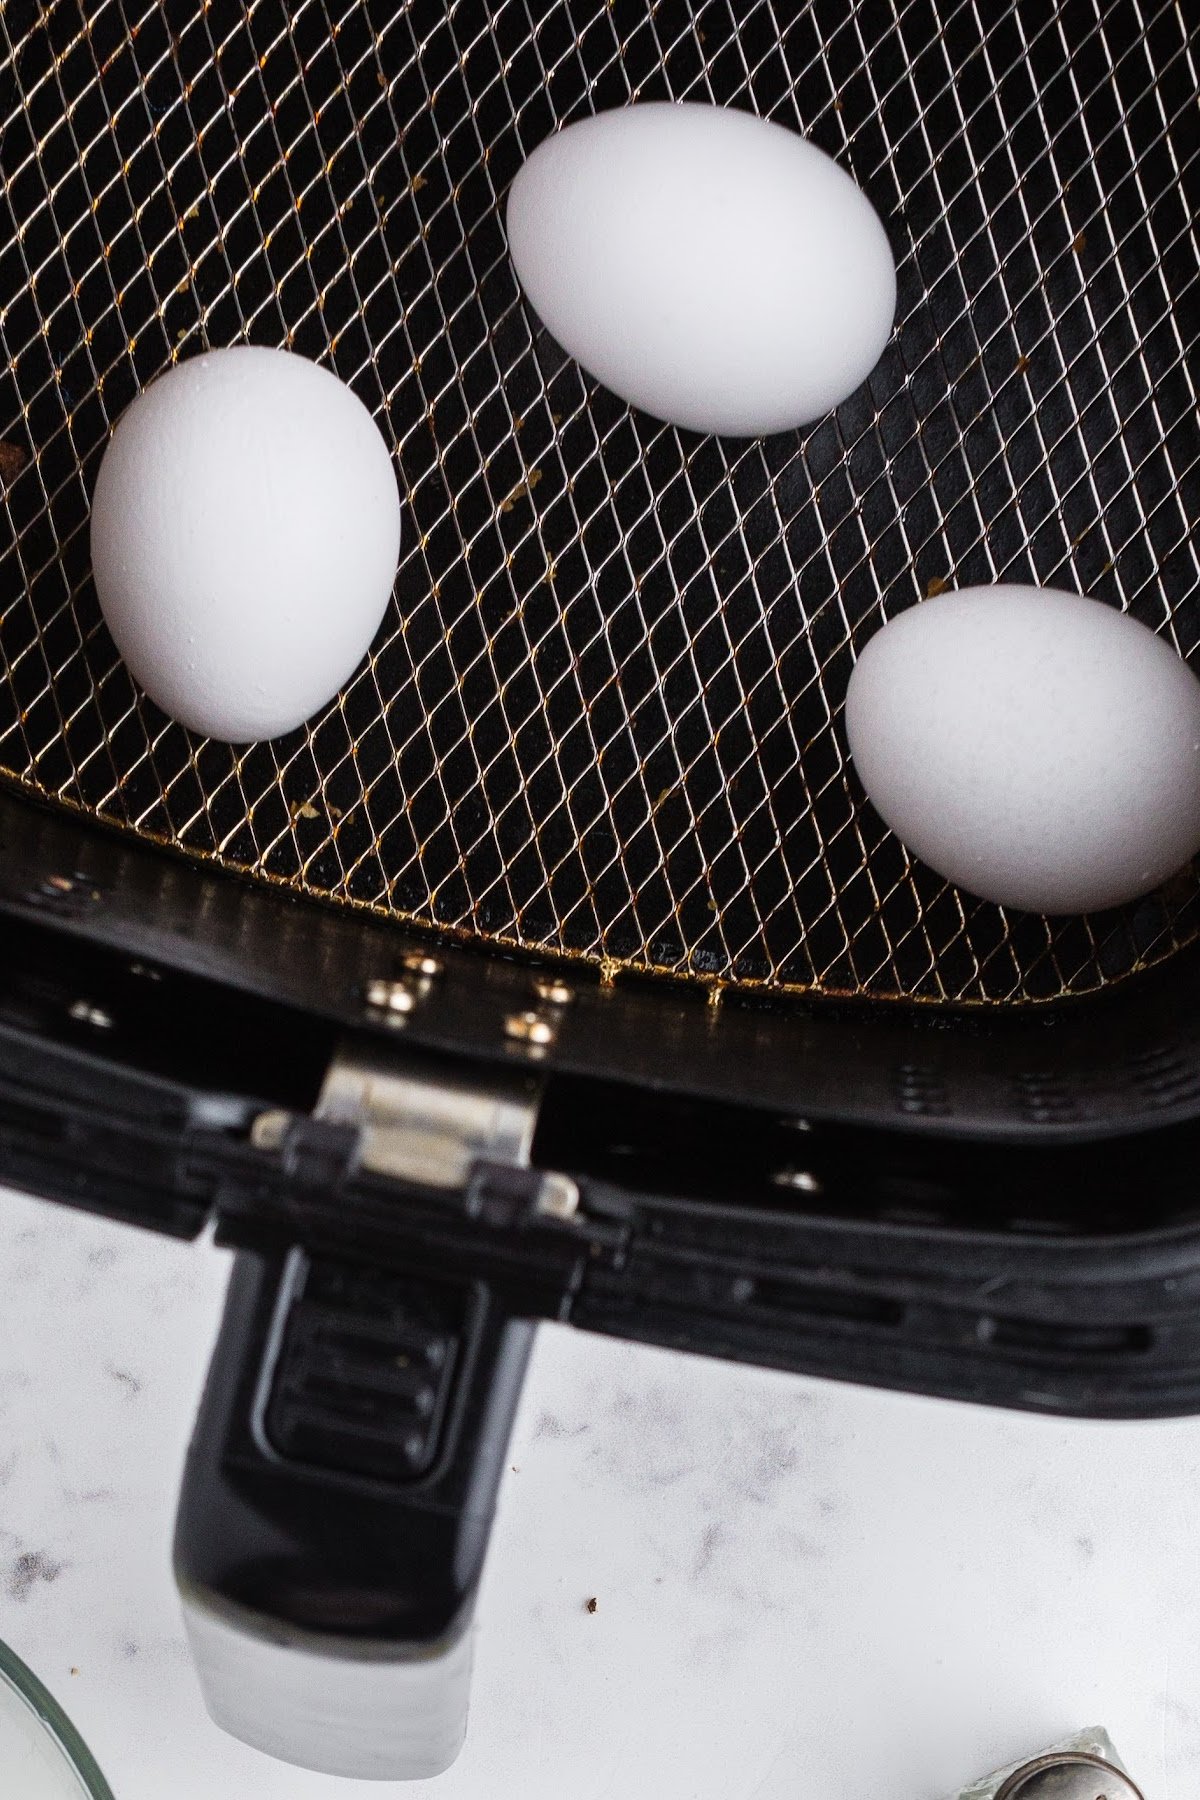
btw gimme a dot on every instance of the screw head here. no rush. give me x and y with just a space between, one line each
394 997
529 1028
84 1013
553 992
801 1181
559 1197
269 1129
419 962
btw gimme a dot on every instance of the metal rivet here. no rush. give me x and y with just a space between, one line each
554 993
529 1028
84 1013
802 1181
419 962
558 1197
268 1130
394 997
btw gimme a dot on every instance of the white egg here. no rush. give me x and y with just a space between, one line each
711 268
1034 747
245 535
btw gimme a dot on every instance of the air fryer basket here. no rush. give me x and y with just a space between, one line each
602 720
603 717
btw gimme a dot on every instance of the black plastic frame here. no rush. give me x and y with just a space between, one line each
1126 1060
999 1209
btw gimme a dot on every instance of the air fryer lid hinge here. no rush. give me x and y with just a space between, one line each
455 1131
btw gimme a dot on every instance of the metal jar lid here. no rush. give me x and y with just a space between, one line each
1069 1775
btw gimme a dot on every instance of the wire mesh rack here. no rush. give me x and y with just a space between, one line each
603 716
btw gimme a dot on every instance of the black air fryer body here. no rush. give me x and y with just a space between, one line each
1000 1207
994 1207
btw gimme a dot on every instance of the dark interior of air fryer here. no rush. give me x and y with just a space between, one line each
600 731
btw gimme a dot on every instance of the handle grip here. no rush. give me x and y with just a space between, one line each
336 1508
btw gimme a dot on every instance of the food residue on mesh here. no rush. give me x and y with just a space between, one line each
522 488
13 458
935 586
305 810
1079 242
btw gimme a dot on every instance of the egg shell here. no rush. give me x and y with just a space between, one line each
1034 747
245 532
712 268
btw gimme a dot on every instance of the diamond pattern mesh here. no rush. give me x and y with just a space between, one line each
603 715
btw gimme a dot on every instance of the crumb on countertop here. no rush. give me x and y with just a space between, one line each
592 1604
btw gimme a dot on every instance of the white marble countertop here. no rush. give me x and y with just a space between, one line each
804 1591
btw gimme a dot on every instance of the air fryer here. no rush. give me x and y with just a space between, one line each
560 969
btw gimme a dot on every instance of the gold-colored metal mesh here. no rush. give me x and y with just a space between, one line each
603 715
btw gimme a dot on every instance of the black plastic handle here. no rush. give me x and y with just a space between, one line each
342 1477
